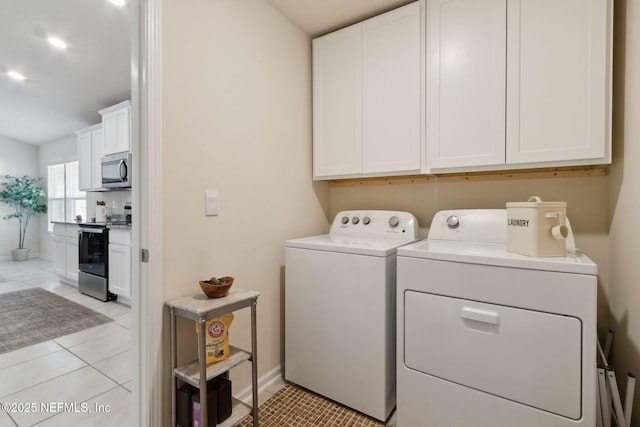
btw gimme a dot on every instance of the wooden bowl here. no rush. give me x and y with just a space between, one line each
216 291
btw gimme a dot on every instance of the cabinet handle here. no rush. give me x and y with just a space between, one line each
478 315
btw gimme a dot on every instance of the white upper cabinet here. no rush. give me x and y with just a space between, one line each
518 84
367 97
391 97
466 63
116 124
85 160
337 107
90 150
558 81
97 144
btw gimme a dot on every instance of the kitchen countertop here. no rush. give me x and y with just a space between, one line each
104 224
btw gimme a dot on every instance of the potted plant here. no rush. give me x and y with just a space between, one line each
26 199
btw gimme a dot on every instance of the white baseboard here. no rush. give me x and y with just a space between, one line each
31 256
246 395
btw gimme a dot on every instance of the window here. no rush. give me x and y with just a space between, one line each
65 199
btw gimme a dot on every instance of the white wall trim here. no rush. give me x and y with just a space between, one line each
264 381
148 297
32 255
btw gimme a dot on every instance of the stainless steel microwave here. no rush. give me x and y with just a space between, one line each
116 170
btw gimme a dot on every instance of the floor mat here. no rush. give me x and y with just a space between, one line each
35 315
294 407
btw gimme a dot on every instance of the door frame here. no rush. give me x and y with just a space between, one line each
148 296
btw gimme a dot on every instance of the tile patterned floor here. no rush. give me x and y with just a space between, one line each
79 379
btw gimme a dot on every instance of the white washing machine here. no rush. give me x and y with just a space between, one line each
340 309
488 338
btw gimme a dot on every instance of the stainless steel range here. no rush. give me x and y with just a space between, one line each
93 253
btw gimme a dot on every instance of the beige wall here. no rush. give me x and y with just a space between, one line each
17 158
237 119
623 295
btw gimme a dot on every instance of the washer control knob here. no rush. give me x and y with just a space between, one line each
366 220
345 219
453 222
355 220
394 222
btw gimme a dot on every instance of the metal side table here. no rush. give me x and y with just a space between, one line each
201 308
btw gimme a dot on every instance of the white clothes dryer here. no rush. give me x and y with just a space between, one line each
340 309
488 338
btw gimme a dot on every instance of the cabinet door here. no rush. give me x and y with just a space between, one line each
72 257
120 269
59 253
337 107
558 80
85 161
97 144
391 91
466 60
116 126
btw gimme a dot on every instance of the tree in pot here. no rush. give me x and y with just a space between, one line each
25 197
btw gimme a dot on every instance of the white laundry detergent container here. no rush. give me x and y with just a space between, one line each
537 228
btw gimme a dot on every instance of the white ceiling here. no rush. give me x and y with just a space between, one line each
318 17
65 89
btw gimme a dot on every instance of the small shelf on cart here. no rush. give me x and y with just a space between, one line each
239 412
190 373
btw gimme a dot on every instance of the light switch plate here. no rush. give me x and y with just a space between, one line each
212 207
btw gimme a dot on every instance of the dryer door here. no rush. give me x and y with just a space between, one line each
526 356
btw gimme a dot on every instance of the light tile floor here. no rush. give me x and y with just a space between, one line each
79 379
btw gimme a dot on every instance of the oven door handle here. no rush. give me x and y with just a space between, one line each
91 230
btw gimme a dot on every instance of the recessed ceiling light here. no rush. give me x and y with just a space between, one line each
59 43
16 75
118 2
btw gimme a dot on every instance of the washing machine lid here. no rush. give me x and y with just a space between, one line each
478 236
348 244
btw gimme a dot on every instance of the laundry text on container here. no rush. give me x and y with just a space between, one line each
518 222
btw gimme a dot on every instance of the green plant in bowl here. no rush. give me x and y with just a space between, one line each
216 287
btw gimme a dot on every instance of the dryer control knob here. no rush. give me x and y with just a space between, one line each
366 220
453 222
394 221
345 219
355 220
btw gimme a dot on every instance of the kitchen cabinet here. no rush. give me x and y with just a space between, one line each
65 252
200 309
71 249
518 84
59 250
120 263
116 123
367 97
90 151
